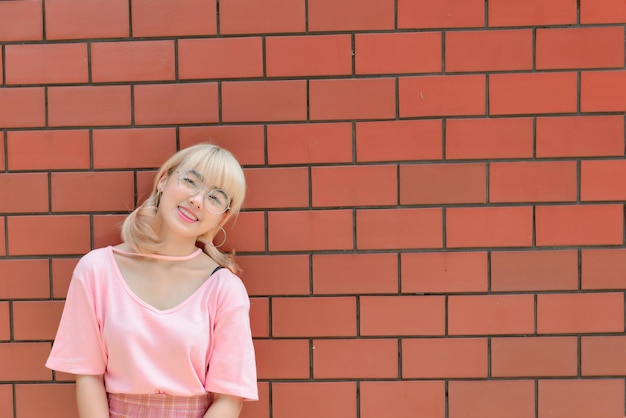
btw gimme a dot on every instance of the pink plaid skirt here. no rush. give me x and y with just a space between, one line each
158 406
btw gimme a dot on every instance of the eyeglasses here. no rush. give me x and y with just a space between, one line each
216 201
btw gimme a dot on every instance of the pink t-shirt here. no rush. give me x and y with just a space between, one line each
202 345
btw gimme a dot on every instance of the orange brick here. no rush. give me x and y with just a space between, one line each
599 180
371 185
289 274
603 269
3 249
399 140
385 53
580 313
166 18
490 314
343 15
246 233
403 228
143 184
89 105
24 192
575 48
62 269
310 55
602 11
352 99
314 317
531 13
533 182
568 136
355 359
339 399
48 150
21 21
49 234
176 103
132 61
6 397
2 148
36 320
260 408
492 398
46 400
24 279
352 273
437 358
310 230
309 143
402 399
67 19
438 95
92 191
579 225
489 138
246 142
22 107
261 101
534 270
531 93
603 91
598 398
260 317
534 356
488 50
398 315
603 356
220 58
282 359
24 361
5 321
423 184
277 187
442 14
132 148
46 63
444 272
263 16
107 229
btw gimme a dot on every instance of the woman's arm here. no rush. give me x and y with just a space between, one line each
91 396
224 406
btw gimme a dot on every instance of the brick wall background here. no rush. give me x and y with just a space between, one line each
435 220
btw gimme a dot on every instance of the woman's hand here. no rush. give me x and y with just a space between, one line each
91 397
224 406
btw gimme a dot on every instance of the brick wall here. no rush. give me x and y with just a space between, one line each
435 219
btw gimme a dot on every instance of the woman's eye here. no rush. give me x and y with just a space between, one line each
190 182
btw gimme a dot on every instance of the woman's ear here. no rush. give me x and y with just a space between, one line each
161 183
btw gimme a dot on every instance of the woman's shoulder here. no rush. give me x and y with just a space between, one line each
94 261
226 285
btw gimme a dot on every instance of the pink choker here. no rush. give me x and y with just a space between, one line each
161 256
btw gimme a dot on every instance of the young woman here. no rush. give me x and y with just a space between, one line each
158 326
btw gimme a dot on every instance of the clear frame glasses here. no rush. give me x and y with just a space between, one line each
216 201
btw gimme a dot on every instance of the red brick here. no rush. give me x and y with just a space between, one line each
46 400
277 187
262 16
442 183
3 249
24 361
260 408
355 359
246 142
290 274
398 315
568 136
531 93
176 103
6 397
352 99
310 230
439 95
602 11
62 269
399 140
506 226
492 399
180 18
282 359
309 143
581 398
21 21
576 48
24 192
132 148
89 105
143 185
36 320
262 101
68 19
444 272
531 13
5 322
345 15
402 399
92 191
22 107
132 61
310 55
371 185
603 91
603 356
490 314
488 50
352 273
260 317
48 150
403 228
107 229
437 358
603 269
599 180
46 63
534 356
534 270
24 279
414 14
386 53
339 399
220 58
580 313
246 233
579 225
50 234
2 148
489 138
314 317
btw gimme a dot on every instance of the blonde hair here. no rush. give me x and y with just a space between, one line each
140 228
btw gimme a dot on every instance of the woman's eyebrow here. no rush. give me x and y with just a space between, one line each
195 173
